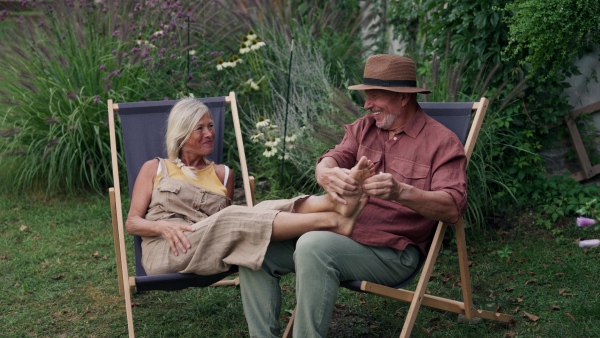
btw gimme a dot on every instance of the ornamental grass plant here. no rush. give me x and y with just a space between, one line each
63 64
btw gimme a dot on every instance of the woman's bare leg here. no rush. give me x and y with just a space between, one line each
288 225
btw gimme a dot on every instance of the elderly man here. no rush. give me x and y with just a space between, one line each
420 179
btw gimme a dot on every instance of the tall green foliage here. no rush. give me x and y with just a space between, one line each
61 66
314 124
533 29
468 38
326 53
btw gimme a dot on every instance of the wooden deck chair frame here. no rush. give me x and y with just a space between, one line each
130 284
418 297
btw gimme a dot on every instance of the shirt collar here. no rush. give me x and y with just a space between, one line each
417 124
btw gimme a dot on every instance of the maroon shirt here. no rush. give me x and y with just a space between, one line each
425 155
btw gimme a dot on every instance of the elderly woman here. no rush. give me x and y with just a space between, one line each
180 206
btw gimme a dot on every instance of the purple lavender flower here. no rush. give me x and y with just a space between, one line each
97 99
24 3
117 72
163 50
102 67
115 33
585 222
190 76
71 95
166 98
114 52
173 56
589 243
51 120
145 53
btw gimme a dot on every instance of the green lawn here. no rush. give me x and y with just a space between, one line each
59 280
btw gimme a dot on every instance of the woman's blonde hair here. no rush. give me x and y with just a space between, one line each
183 118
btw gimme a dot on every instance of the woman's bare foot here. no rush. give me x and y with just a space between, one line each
361 171
346 223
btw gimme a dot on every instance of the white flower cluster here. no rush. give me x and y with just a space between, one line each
254 85
270 135
233 61
251 42
182 95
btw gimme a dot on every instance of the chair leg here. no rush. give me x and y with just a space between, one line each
129 315
121 266
115 228
290 327
465 275
415 304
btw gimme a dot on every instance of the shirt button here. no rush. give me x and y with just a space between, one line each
395 138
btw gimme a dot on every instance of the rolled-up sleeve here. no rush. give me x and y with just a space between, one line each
345 152
450 175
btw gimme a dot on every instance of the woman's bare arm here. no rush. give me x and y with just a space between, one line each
136 224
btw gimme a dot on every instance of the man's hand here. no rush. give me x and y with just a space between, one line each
336 182
383 186
435 205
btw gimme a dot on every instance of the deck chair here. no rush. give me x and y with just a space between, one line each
456 116
143 126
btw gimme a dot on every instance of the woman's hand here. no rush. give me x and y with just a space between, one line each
175 236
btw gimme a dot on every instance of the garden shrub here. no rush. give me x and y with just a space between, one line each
525 112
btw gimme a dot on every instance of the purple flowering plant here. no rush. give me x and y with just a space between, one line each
590 223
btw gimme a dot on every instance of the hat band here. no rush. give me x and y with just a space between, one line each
389 83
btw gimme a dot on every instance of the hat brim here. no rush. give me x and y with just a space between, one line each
391 89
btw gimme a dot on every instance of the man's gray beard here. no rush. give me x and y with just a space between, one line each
387 122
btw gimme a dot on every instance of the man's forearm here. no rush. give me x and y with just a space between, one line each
326 163
436 205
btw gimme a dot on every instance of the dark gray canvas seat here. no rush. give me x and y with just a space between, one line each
143 127
458 117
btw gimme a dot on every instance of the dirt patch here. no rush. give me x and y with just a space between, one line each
346 324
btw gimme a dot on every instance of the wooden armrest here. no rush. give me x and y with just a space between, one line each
251 179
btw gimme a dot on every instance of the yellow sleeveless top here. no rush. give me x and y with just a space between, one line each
207 177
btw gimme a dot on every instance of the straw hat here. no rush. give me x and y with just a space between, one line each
390 72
